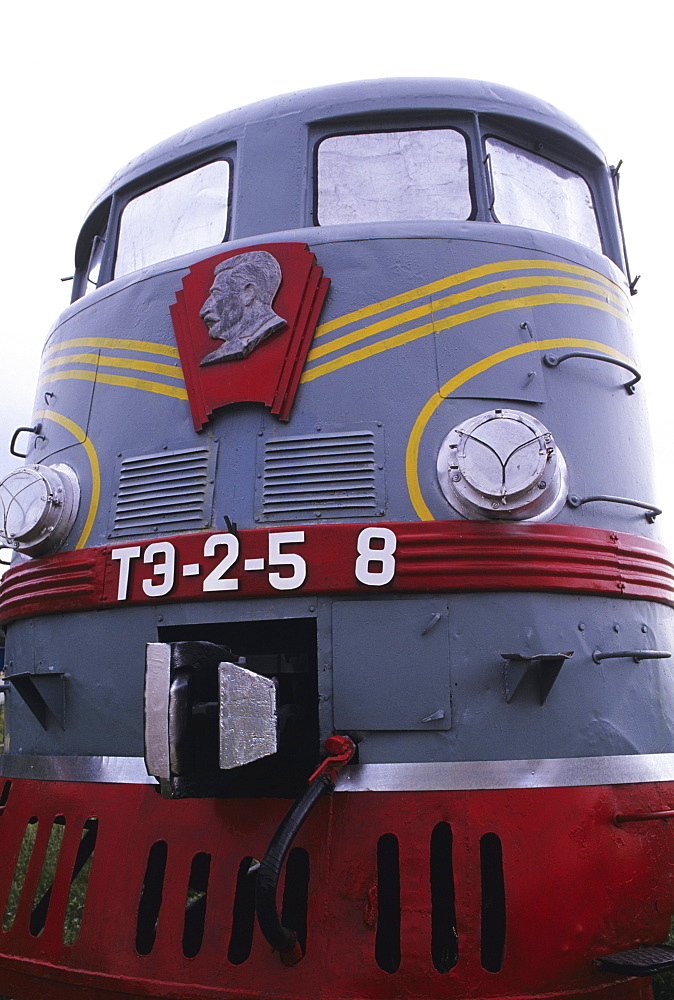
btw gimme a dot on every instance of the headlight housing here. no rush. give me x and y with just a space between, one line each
502 465
38 506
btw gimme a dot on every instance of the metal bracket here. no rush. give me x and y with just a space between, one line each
28 430
544 667
651 510
43 693
552 360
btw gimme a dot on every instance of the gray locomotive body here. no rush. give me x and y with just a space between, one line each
440 542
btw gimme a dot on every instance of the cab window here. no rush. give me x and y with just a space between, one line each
393 177
184 214
531 191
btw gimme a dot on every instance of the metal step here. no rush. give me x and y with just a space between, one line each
639 961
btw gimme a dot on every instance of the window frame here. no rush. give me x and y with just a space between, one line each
555 161
561 150
119 200
371 125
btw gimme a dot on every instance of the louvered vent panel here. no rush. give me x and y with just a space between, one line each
170 491
326 475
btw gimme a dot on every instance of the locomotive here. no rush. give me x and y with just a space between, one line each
338 633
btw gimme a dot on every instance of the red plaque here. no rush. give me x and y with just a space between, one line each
222 367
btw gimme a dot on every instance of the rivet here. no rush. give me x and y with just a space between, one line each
644 628
581 626
311 607
616 628
542 484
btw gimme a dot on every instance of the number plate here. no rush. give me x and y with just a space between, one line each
252 563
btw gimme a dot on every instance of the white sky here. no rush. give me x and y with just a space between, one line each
88 86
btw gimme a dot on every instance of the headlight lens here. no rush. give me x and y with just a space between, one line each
502 465
38 505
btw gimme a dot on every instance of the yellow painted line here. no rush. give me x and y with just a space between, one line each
408 336
145 385
140 346
460 279
412 453
94 467
428 308
171 371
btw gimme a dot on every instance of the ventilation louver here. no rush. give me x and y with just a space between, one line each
322 475
166 492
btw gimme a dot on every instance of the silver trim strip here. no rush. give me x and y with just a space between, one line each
107 770
490 774
423 777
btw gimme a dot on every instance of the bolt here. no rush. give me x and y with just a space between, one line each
616 628
311 607
542 484
456 478
160 618
581 626
495 505
644 628
613 536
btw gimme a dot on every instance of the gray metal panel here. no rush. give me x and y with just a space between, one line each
458 347
168 491
391 665
329 474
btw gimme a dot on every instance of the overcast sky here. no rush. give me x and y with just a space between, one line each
89 86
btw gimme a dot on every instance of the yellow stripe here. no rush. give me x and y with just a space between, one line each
482 291
459 319
460 279
82 439
140 346
412 453
172 371
131 383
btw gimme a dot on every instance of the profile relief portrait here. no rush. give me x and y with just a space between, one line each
238 310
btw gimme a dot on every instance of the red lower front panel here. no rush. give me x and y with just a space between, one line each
107 890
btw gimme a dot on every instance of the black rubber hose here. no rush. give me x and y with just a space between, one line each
279 937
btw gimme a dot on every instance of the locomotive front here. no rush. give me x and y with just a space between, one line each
341 436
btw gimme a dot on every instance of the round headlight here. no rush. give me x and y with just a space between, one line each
505 465
38 505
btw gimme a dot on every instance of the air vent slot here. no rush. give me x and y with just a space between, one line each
328 474
167 492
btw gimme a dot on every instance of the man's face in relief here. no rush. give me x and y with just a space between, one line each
225 305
